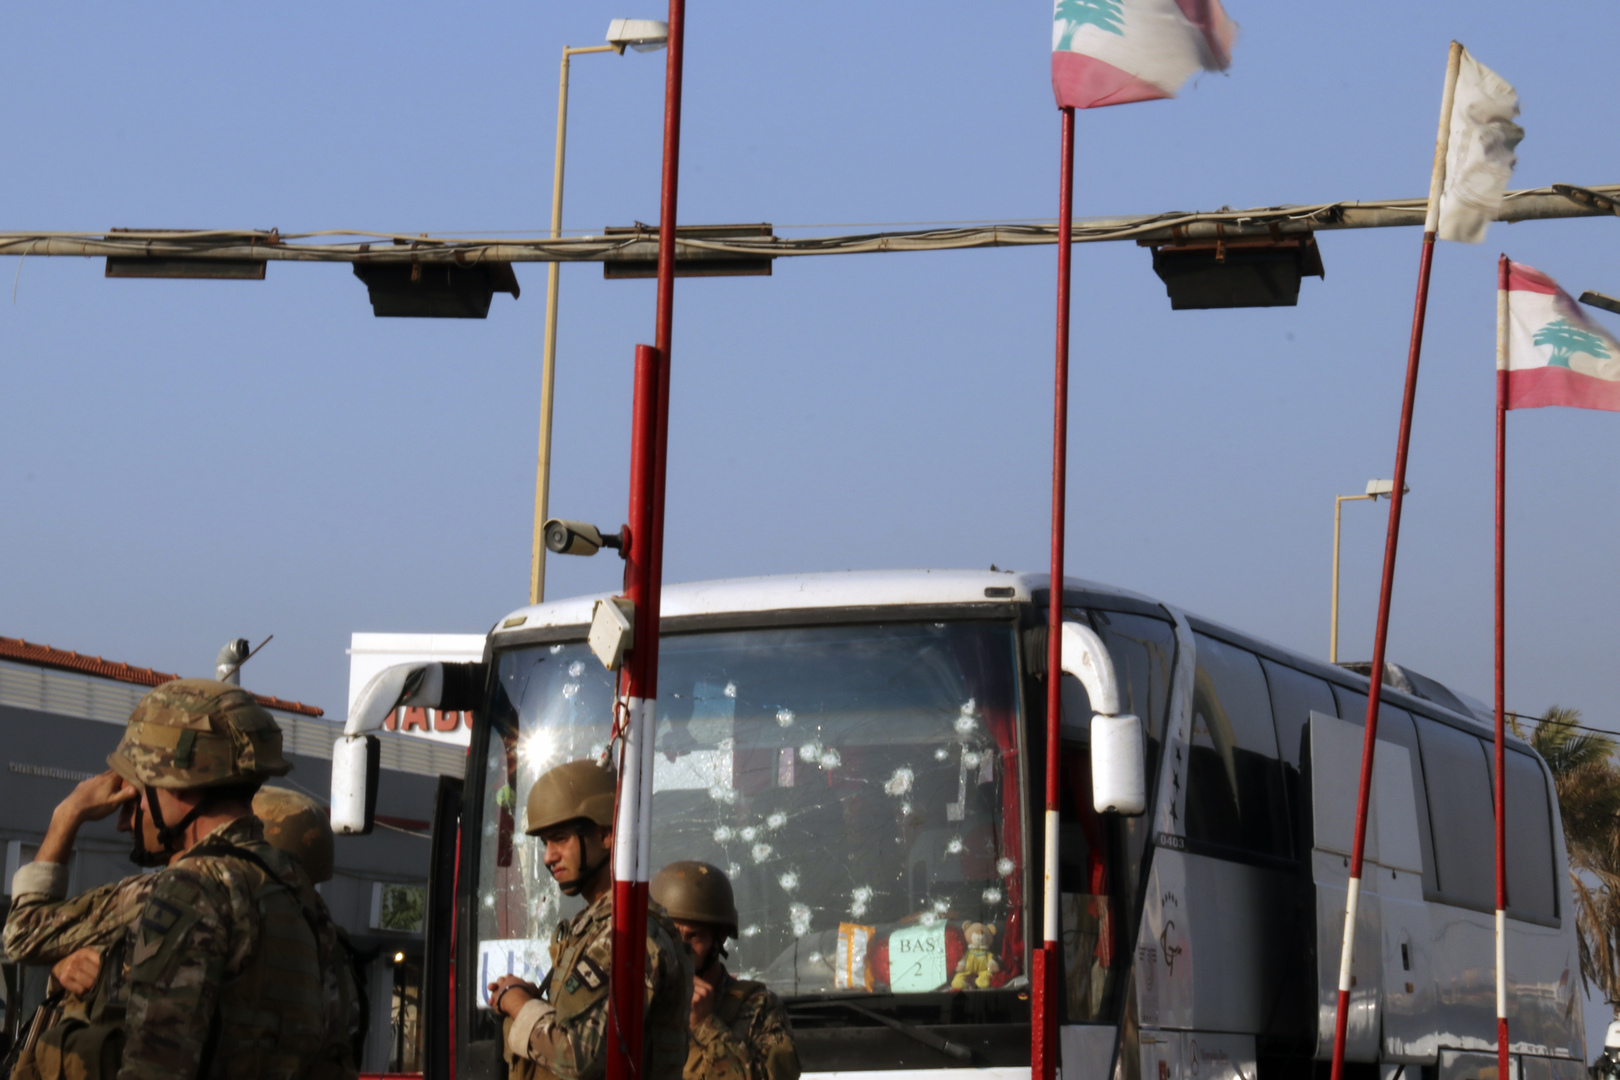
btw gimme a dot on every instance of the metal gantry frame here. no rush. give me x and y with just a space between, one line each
358 246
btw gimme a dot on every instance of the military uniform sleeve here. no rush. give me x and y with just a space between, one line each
669 1000
179 948
567 1036
758 1047
42 927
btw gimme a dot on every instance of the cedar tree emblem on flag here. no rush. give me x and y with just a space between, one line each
1111 52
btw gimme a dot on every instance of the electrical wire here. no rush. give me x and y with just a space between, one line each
1563 723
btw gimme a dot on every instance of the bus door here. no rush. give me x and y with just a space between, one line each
1091 921
1088 908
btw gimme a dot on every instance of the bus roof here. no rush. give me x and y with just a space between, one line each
839 589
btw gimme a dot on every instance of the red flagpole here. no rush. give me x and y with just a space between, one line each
1048 958
643 585
1386 585
1501 655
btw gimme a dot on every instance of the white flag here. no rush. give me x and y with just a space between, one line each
1479 159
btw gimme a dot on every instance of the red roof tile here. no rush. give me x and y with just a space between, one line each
26 652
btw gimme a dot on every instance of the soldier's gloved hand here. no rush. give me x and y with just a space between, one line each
702 1002
77 971
508 994
96 797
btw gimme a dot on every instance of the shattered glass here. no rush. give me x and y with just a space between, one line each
858 783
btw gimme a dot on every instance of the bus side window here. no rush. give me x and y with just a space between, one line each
1234 780
1531 883
1395 725
1460 806
1294 696
1143 649
1144 653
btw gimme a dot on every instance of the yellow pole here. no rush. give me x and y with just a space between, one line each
542 473
1333 635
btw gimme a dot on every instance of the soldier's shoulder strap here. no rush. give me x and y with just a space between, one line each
224 849
735 996
221 848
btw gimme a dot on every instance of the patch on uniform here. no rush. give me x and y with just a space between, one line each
588 973
145 950
159 915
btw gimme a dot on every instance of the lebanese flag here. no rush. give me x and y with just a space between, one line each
1555 354
1112 52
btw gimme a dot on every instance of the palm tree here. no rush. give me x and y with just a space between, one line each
1587 781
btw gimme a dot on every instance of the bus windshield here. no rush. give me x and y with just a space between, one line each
859 784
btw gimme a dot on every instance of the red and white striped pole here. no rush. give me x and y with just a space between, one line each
1386 585
1048 959
629 875
1501 656
643 585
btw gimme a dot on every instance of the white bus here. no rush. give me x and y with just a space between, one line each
863 753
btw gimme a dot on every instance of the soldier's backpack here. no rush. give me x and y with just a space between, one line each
72 1038
286 906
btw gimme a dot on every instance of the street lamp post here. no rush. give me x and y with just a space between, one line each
643 35
1376 489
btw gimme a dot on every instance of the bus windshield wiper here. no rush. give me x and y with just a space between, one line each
955 1051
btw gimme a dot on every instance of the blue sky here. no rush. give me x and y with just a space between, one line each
186 462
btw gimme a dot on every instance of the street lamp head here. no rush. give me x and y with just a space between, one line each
1385 488
1595 299
642 35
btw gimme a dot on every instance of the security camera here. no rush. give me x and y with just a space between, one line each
578 538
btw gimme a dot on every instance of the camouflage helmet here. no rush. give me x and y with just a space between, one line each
296 824
697 892
192 733
572 791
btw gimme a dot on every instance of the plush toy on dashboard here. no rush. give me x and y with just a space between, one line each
978 964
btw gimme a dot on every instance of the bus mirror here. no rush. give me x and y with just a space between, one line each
356 762
357 754
420 684
424 684
1118 774
1086 659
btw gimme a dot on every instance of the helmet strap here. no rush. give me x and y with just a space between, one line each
587 874
140 854
715 956
169 836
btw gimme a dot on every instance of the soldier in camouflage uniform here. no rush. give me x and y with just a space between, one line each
559 1029
298 825
193 990
739 1029
301 827
71 935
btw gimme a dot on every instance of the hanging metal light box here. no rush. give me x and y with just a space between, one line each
435 290
1237 273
